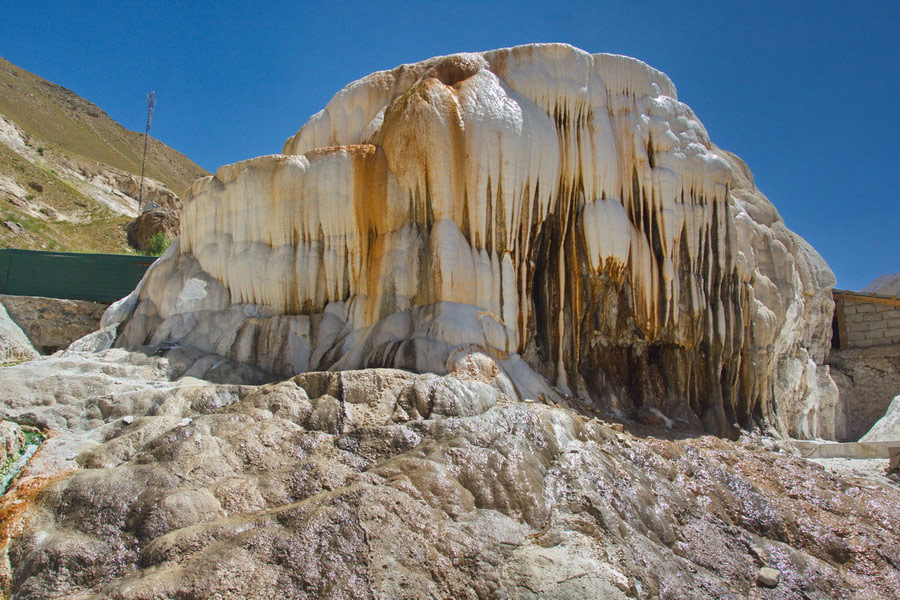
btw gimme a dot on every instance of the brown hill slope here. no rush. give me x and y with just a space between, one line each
69 174
77 127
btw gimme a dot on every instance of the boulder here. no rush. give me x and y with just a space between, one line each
53 323
149 223
887 428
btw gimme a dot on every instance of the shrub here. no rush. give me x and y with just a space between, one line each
157 244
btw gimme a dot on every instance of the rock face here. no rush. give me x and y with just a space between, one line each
868 379
388 484
53 323
561 212
149 223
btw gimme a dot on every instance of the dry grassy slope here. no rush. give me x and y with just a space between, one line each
97 229
79 128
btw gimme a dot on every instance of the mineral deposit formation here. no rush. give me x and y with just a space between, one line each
554 217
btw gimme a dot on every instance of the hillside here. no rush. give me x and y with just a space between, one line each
888 285
69 174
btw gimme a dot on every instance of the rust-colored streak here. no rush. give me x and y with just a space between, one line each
675 298
16 508
373 218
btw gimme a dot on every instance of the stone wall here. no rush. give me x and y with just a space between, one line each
867 320
52 323
865 362
867 380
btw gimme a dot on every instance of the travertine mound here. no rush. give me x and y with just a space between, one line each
561 212
385 484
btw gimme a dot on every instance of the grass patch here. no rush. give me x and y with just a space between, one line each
157 244
33 438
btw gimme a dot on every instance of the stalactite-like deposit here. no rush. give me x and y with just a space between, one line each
561 212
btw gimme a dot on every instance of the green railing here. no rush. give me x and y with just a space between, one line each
98 277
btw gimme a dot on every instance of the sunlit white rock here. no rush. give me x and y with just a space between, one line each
560 212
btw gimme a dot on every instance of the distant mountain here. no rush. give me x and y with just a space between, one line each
888 285
69 174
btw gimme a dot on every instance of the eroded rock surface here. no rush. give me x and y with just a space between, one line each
561 212
387 484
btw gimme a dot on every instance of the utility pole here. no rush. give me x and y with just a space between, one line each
151 102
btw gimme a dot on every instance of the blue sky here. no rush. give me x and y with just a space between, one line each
805 92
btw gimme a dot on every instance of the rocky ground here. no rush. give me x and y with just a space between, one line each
387 484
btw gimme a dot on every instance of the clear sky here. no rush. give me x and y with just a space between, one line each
805 92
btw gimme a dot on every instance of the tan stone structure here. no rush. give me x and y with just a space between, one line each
865 320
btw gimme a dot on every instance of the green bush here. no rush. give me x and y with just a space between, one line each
157 244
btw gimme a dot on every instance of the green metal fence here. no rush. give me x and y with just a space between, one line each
98 277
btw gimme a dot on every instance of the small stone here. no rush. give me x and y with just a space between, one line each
759 553
128 419
768 577
13 226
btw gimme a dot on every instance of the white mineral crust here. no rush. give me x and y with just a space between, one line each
559 212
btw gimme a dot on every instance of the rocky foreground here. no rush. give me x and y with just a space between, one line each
386 484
